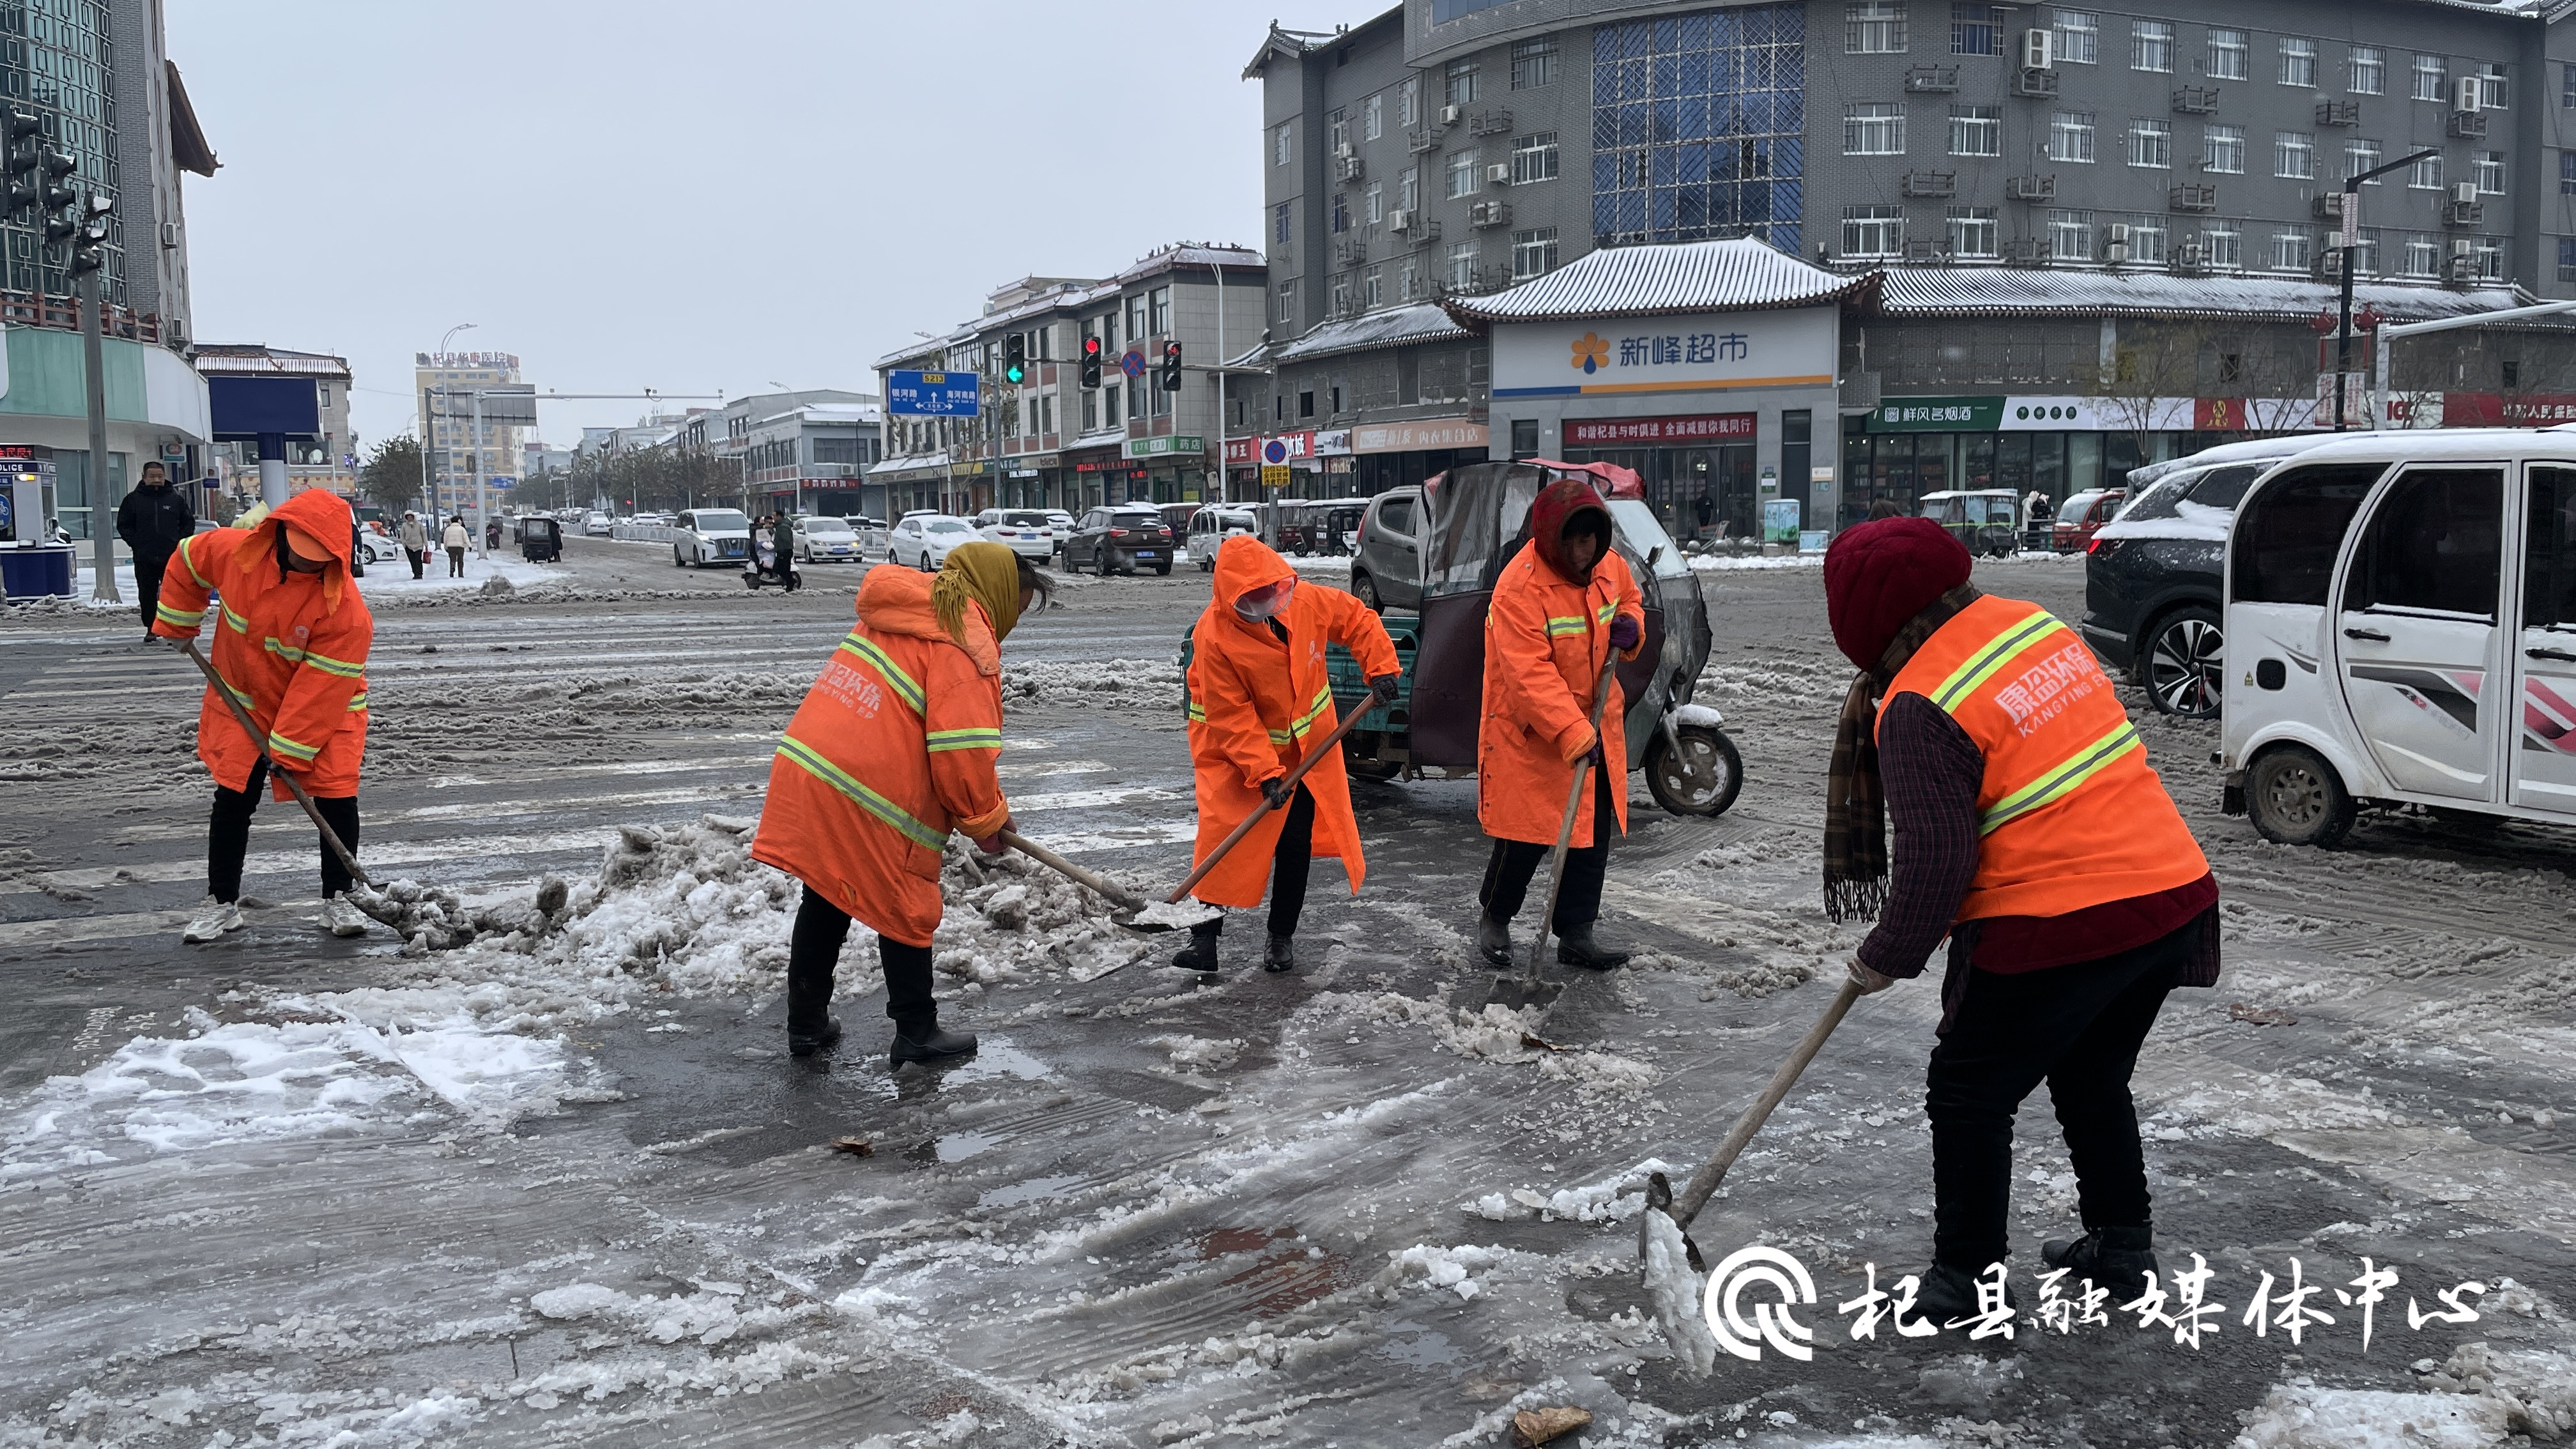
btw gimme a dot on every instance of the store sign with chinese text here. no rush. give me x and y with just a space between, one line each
1659 432
1176 446
1419 435
1793 347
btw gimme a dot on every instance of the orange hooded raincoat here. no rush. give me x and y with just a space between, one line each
1545 639
291 647
893 748
1257 704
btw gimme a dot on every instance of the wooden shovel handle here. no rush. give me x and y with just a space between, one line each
294 786
1690 1200
1063 867
1288 790
1573 803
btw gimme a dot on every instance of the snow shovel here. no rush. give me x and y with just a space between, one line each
1130 906
1287 792
1528 989
294 787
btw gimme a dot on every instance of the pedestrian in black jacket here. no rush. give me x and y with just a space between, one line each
153 520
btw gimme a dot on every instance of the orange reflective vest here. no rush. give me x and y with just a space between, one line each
893 748
1256 705
1545 640
291 647
2071 815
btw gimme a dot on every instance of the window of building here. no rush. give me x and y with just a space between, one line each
1408 102
1874 27
2294 154
2490 254
2223 247
2490 172
2491 92
2423 256
1337 131
1341 213
2151 44
2359 156
2365 253
1408 188
2428 78
1341 294
2070 236
2567 87
2292 251
2151 143
1373 285
1136 318
1464 178
1373 123
1874 128
1976 29
2425 175
1972 231
2365 70
1306 403
1090 410
1873 231
2147 238
2567 173
2079 36
1279 223
1462 265
1460 83
2298 62
1162 312
2227 55
1533 253
1534 158
1976 130
1534 63
1376 205
2070 136
1109 406
1282 150
1408 280
2222 149
2567 265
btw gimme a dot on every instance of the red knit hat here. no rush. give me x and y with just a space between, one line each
1880 574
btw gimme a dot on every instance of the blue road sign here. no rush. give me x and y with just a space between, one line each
935 394
1133 363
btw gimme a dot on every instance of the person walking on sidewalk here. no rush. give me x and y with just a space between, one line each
894 748
455 540
2031 832
1258 699
291 641
153 520
415 541
1562 607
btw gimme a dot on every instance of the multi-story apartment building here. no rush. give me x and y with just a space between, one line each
325 462
797 452
445 383
1984 157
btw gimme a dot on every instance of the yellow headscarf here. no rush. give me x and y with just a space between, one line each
985 572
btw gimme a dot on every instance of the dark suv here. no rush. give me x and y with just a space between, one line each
2152 581
1120 540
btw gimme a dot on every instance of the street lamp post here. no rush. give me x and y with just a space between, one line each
430 410
2351 243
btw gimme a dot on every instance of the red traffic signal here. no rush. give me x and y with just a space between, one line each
1171 379
1091 362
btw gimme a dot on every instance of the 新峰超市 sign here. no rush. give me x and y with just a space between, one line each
1702 428
1793 347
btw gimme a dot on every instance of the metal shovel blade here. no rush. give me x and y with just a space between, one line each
1155 917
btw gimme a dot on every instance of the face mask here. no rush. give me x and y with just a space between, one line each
1262 603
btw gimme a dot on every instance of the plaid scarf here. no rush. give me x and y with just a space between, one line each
1855 800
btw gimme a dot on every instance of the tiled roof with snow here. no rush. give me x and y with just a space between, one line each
2048 292
1742 274
1394 327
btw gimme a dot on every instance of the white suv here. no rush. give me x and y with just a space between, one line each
1209 529
922 540
710 536
1024 531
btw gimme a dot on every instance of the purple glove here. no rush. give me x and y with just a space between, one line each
1624 633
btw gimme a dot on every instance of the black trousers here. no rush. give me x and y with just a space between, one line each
814 946
148 568
1515 862
2077 1027
228 836
1290 864
456 563
418 556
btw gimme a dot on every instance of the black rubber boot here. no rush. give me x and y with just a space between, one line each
1200 953
1577 948
1494 940
2118 1260
1949 1294
811 1026
933 1043
1279 954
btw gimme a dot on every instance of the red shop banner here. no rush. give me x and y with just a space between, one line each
2496 410
1652 432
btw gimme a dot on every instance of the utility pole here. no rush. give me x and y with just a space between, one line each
2351 243
89 241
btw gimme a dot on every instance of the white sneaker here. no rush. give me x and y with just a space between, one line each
212 920
342 918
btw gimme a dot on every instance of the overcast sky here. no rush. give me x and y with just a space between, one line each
693 196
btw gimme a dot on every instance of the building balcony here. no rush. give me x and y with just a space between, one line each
1490 123
2191 196
2026 252
2338 113
1426 139
1485 215
1932 80
2465 125
2034 82
2463 213
1349 168
1931 183
2196 100
2031 188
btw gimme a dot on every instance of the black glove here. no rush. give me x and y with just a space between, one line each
1384 687
1275 790
1593 755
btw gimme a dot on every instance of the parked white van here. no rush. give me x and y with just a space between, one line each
2401 630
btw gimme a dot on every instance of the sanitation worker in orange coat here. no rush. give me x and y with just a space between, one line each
291 643
1563 604
1259 700
894 748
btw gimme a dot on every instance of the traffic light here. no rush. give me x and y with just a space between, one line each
1171 379
1091 362
1015 358
89 242
22 143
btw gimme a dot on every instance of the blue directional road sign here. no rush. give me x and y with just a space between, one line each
934 394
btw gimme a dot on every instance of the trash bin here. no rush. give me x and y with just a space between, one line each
32 571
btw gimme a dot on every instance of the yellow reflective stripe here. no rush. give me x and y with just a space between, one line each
796 752
202 581
1606 612
1560 625
240 695
283 650
168 615
964 740
1990 660
240 625
865 648
2061 780
1281 737
1198 711
357 701
279 744
329 665
1323 701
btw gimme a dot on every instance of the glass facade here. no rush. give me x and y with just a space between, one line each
1699 127
56 59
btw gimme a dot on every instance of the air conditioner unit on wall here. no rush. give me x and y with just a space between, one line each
1400 219
2467 94
2039 49
1449 115
2465 193
1499 174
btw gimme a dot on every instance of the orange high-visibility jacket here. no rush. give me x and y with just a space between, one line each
2071 814
291 647
1257 704
893 748
1545 640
